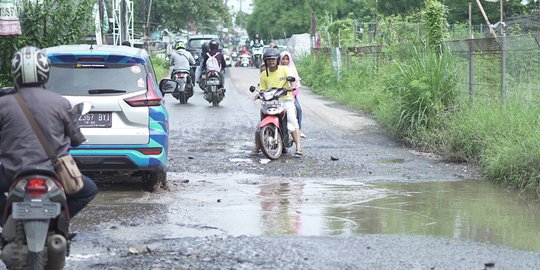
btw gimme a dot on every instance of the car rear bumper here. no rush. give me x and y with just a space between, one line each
95 159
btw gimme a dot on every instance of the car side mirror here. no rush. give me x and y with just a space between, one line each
252 89
168 86
291 79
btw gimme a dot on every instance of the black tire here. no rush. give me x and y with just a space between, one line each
154 181
35 260
270 147
182 98
215 100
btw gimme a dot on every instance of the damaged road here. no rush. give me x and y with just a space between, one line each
330 209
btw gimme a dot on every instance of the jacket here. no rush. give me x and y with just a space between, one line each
19 146
182 59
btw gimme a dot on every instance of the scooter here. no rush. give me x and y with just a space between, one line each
185 85
273 135
213 90
257 55
36 218
245 60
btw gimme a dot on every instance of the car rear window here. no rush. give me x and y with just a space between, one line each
75 79
197 43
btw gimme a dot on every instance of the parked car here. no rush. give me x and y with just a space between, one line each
127 130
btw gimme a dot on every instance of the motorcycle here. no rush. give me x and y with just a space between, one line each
234 56
273 135
36 218
213 90
245 60
185 85
257 55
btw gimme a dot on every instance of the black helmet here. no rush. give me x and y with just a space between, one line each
30 65
214 44
205 48
271 53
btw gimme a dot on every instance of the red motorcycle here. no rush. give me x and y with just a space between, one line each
273 135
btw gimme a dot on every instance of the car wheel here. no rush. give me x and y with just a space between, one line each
154 180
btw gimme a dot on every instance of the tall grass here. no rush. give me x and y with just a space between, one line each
417 100
502 138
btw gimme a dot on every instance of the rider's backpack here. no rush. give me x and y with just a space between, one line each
212 63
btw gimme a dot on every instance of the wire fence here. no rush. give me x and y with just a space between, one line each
490 68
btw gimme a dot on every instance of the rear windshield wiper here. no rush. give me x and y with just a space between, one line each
105 91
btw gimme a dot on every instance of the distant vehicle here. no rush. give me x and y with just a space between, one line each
227 55
194 44
127 130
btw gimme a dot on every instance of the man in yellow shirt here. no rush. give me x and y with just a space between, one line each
275 75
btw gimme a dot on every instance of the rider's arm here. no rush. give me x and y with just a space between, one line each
71 129
190 58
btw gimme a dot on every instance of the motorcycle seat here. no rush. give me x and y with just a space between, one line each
36 170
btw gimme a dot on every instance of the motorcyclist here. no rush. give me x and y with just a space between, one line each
199 70
19 146
275 75
256 40
216 52
182 59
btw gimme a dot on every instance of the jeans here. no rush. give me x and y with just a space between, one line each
76 202
298 112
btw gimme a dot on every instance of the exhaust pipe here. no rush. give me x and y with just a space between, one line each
56 251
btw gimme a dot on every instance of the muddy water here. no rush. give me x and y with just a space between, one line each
245 204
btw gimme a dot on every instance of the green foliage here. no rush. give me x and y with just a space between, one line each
423 88
434 20
502 138
342 33
44 24
178 14
161 67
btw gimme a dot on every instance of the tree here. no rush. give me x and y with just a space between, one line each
180 14
44 24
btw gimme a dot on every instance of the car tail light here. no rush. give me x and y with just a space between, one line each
150 98
151 151
36 187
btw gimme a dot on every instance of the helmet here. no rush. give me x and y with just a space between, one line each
271 53
214 44
180 45
205 48
30 65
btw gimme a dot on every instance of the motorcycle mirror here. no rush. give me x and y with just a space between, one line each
291 79
81 108
252 89
168 86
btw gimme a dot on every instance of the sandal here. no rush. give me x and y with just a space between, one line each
254 154
298 153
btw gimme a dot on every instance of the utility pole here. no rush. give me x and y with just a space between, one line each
100 9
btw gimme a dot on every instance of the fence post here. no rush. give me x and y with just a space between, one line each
471 71
503 68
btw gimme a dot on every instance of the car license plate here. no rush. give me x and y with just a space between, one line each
95 120
35 210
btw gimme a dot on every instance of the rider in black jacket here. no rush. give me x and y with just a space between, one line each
19 146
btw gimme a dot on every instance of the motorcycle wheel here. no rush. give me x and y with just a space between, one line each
271 147
215 100
182 98
35 261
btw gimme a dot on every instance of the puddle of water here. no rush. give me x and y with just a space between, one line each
245 204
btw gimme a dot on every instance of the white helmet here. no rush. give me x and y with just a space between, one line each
30 65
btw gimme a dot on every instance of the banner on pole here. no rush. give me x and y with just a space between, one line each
9 18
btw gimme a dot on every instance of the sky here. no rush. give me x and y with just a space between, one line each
240 5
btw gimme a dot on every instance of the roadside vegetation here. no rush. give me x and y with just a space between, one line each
413 92
161 67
